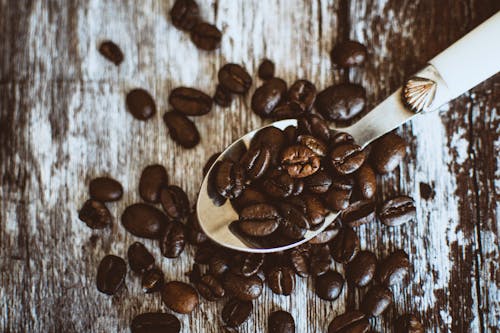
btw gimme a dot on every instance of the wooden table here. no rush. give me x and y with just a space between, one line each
63 121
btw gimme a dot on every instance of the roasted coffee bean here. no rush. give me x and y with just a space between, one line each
256 161
218 264
319 182
152 280
143 220
155 322
328 234
393 269
174 202
398 211
314 125
339 194
234 78
281 280
315 210
105 189
287 110
291 134
95 214
358 213
195 274
181 129
185 14
139 258
204 252
320 259
179 297
279 185
348 54
111 51
272 137
140 104
268 96
206 36
229 179
294 223
248 264
194 233
366 181
338 138
211 160
249 197
329 285
111 274
217 199
300 161
281 322
259 220
347 158
361 270
210 288
243 288
266 70
190 101
426 191
350 322
345 246
222 97
300 257
316 145
303 93
236 312
409 324
376 301
153 178
388 152
172 240
341 102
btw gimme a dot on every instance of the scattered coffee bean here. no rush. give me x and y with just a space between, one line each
315 210
328 234
314 125
266 70
329 285
152 280
236 312
155 322
234 78
278 185
241 287
179 297
350 322
105 189
398 211
393 269
143 220
347 158
409 324
194 233
281 280
206 36
294 223
153 178
273 138
345 246
218 264
256 161
300 259
211 160
95 214
248 264
268 96
318 183
204 252
249 197
286 110
316 145
361 270
229 179
190 101
320 259
174 202
348 54
140 104
338 138
222 97
281 322
359 213
139 258
172 239
376 301
303 93
341 102
111 274
338 196
111 51
259 220
210 288
181 129
185 14
388 152
300 161
195 274
426 191
366 181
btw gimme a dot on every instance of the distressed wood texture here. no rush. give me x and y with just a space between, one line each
63 122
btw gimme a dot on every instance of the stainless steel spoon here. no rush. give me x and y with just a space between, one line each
471 60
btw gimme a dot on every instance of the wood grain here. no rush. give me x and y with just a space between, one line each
63 121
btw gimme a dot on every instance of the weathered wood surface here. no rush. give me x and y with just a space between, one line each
63 122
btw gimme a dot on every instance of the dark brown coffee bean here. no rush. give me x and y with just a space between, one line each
211 160
243 288
350 322
210 288
249 197
153 178
155 322
181 129
294 223
185 14
339 194
388 152
111 51
174 202
140 104
291 135
376 301
394 269
152 280
272 137
315 210
190 101
222 97
314 125
206 36
279 184
328 234
218 264
366 181
179 297
398 211
300 257
105 189
426 191
361 270
348 54
347 158
320 259
204 252
234 78
281 280
409 324
316 145
303 93
359 213
194 233
248 264
139 258
217 199
345 246
318 183
341 102
268 96
300 161
95 214
111 274
236 312
281 322
266 70
286 110
259 220
329 285
195 274
143 220
229 179
338 138
256 161
172 239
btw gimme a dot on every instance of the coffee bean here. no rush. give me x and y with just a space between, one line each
174 202
172 239
348 54
300 259
211 160
350 322
190 101
210 288
194 233
139 258
217 199
179 297
218 264
241 287
204 252
294 223
105 189
181 129
318 183
234 78
329 285
347 158
426 191
303 93
314 125
152 280
222 97
320 259
361 270
266 70
315 210
358 213
366 181
206 36
328 234
409 324
111 274
195 274
185 14
279 184
300 161
281 280
376 301
229 179
95 214
153 178
345 246
140 104
291 135
249 197
111 51
281 322
155 322
143 220
268 96
388 152
341 102
259 220
339 194
273 138
256 161
393 269
316 145
338 138
286 110
398 211
236 312
248 264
